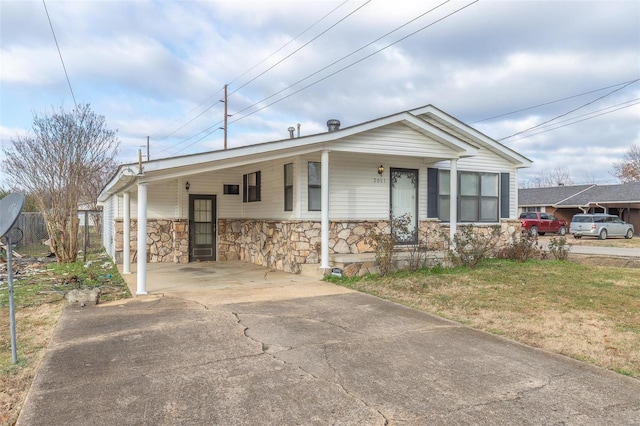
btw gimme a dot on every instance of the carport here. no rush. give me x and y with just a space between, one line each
233 281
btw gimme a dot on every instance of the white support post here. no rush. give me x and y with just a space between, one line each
453 199
324 207
142 240
126 235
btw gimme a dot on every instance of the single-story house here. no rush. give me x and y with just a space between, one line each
563 202
291 204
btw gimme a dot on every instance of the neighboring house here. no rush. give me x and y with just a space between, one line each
292 204
565 201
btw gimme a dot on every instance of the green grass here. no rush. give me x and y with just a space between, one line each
588 312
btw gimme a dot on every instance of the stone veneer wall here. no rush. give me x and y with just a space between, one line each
282 245
286 245
167 240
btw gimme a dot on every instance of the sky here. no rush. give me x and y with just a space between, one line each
557 81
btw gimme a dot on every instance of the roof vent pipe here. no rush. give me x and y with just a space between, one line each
291 130
333 125
299 129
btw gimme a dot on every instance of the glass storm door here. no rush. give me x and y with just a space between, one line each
202 227
404 205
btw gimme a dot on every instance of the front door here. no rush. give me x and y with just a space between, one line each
404 205
202 227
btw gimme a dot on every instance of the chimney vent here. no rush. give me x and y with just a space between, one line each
291 130
333 125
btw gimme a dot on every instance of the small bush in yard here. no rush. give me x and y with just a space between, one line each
386 245
520 248
559 248
468 246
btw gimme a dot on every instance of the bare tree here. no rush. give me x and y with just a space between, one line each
547 178
628 170
59 165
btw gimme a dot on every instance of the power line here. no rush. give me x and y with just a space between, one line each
60 54
291 41
251 69
590 116
353 63
332 74
343 58
569 112
550 102
301 47
622 105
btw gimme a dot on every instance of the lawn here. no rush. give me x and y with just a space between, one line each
587 312
39 289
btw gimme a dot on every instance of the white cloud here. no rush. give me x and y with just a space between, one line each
149 67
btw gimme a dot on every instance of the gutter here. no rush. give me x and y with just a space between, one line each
122 180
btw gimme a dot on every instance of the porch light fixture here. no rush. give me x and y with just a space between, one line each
187 186
381 169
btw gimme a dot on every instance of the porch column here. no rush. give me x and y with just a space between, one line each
453 198
142 239
126 235
324 208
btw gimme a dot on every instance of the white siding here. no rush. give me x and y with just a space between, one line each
404 140
162 201
356 190
108 231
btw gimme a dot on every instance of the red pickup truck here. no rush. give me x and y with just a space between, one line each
539 223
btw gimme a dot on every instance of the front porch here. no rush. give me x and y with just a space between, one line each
233 281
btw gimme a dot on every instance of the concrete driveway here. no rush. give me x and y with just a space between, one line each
254 346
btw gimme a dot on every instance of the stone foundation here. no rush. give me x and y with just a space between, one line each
167 240
283 245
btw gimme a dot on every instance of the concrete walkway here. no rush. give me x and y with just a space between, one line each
215 346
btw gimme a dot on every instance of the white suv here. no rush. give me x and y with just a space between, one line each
600 225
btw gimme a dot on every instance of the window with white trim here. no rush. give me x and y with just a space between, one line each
478 196
314 186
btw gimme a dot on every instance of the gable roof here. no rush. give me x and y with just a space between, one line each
460 139
605 194
580 195
548 196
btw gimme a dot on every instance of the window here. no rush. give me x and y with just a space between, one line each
444 200
532 209
251 187
288 187
314 184
478 196
231 189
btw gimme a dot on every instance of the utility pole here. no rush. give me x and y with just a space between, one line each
225 117
148 158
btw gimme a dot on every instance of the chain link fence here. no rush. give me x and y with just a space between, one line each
34 241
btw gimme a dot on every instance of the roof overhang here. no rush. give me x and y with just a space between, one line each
461 140
472 135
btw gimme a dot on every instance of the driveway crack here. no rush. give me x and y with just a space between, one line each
265 349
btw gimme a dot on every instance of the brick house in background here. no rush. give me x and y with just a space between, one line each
563 202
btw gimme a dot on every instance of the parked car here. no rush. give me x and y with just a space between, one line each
539 223
600 225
